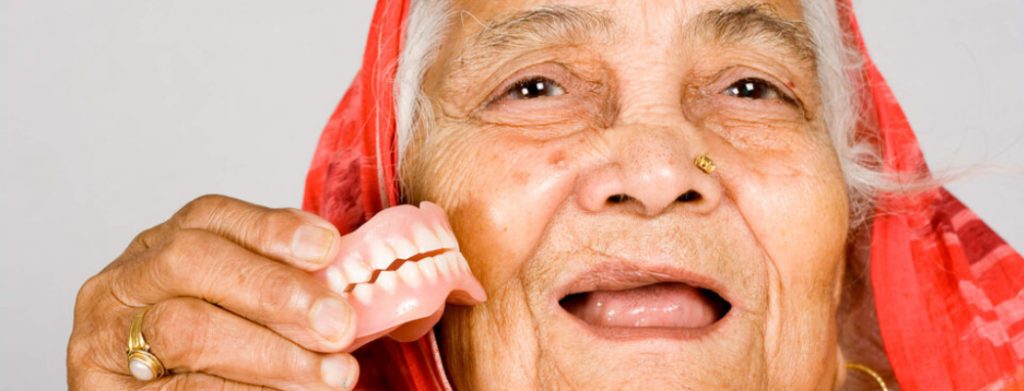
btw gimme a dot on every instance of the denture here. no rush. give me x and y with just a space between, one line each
398 270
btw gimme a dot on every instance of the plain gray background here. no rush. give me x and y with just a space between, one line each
115 113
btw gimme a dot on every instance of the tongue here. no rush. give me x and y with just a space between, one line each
659 305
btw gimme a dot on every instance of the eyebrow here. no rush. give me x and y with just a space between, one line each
537 28
564 26
757 24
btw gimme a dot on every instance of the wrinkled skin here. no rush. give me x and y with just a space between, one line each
530 185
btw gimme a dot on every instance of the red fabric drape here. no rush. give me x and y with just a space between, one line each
948 290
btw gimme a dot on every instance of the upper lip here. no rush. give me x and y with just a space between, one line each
621 274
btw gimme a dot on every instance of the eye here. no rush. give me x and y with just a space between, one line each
753 88
535 87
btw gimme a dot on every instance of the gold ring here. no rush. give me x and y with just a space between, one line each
870 372
704 163
142 364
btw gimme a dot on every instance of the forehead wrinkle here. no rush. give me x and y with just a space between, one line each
543 27
757 24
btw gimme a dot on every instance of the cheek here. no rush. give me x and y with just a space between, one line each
797 207
500 193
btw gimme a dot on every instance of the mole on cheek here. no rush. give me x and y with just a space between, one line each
557 158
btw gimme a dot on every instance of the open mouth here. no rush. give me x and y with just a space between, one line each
634 300
660 305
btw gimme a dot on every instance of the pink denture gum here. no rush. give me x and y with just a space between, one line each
398 270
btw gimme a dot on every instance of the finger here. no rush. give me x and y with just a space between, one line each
295 237
145 240
195 381
190 335
206 266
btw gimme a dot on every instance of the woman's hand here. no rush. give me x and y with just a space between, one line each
231 304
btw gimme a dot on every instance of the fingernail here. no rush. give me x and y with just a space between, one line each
335 371
330 318
312 243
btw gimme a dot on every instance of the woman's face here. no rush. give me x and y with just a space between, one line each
562 147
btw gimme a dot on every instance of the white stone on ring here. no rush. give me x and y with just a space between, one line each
140 370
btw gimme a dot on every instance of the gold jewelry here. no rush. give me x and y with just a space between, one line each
704 163
142 364
870 372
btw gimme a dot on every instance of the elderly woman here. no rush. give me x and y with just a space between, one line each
651 195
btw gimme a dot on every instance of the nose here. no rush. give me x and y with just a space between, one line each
650 171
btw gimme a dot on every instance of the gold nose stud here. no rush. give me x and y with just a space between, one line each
704 163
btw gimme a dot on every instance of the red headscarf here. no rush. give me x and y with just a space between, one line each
948 290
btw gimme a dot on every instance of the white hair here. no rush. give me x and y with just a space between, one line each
838 67
423 35
839 74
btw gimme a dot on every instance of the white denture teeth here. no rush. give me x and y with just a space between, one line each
363 293
424 239
410 274
428 267
336 280
356 271
403 248
444 268
387 281
446 237
453 264
398 270
463 264
415 271
381 256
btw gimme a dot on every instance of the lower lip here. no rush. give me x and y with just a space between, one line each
629 334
